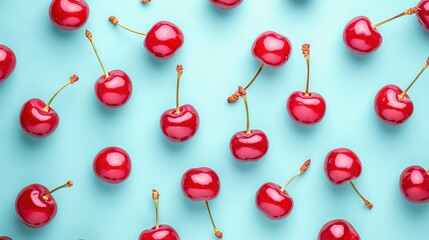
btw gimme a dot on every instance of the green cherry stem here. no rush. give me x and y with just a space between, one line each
367 203
218 233
306 53
115 21
155 197
179 70
66 185
71 80
402 95
410 11
303 168
88 35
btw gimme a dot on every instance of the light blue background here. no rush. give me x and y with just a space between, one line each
216 58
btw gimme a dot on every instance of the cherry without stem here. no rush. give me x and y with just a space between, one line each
423 14
69 14
394 106
162 41
112 165
226 4
38 119
338 229
306 107
7 62
414 184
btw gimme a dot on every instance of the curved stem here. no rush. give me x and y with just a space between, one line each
66 185
179 69
246 105
306 93
72 80
115 21
155 197
402 95
218 233
407 12
303 168
367 203
89 36
254 77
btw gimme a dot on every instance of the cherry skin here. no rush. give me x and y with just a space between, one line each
7 62
226 4
273 202
360 37
5 238
423 14
200 184
342 165
249 147
414 184
164 232
69 14
390 107
306 109
115 90
37 122
338 229
179 127
163 40
272 49
112 165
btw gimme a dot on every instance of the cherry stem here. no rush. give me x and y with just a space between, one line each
115 21
303 168
66 185
410 11
306 53
402 95
71 80
367 203
246 105
155 197
88 35
235 96
218 233
179 70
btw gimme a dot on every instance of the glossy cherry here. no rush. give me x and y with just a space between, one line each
343 165
7 62
394 106
114 88
249 145
273 50
338 229
423 14
162 41
306 107
202 184
362 37
5 238
36 206
226 4
273 200
159 232
37 118
181 123
112 165
414 184
69 14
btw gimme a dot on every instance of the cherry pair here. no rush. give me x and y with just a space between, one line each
362 37
7 62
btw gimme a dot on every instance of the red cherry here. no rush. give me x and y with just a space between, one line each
181 123
423 14
338 229
306 107
362 37
273 201
112 165
36 206
162 41
39 119
69 14
343 165
7 62
226 4
414 184
394 106
159 232
5 238
202 184
114 88
248 145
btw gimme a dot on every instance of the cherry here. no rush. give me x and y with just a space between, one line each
69 14
36 206
338 229
114 88
226 4
248 145
181 123
414 184
343 165
362 37
39 119
159 232
273 201
162 41
273 50
394 106
5 238
306 107
202 184
7 62
112 165
423 14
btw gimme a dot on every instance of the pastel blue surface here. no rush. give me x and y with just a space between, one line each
216 58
